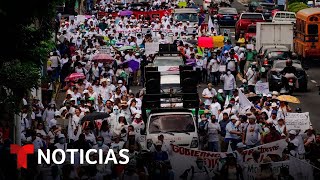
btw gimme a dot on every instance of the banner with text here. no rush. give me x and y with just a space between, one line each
275 148
297 170
262 88
151 48
298 121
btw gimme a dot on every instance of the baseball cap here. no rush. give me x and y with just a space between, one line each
274 104
137 116
234 117
241 145
293 132
269 95
120 82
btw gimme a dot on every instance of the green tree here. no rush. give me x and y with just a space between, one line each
27 27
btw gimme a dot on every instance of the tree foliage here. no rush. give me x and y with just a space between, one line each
297 6
28 27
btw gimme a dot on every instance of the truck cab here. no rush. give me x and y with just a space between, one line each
177 126
245 20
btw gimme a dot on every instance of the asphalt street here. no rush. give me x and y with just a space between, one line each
310 101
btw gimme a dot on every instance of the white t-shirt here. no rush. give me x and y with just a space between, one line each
214 108
213 129
209 93
214 64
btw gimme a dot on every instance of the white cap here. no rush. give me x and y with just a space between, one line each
269 95
264 94
234 117
293 132
57 113
73 99
108 80
220 91
103 80
158 143
85 91
138 116
269 121
61 136
274 104
225 52
275 93
121 115
241 145
244 81
120 82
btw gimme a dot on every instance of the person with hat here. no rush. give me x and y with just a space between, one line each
159 154
229 83
273 118
231 169
138 124
62 144
252 76
252 133
105 91
233 134
266 172
281 127
214 65
238 153
53 121
296 145
203 130
208 93
272 136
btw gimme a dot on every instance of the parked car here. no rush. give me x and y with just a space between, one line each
271 54
274 75
266 9
245 20
227 16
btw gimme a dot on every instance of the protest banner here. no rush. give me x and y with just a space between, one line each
297 169
218 41
244 102
151 48
222 68
298 121
104 50
275 148
250 46
262 88
183 158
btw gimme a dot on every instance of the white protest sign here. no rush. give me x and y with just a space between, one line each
262 88
276 147
222 68
80 18
250 46
151 48
183 158
299 121
297 169
104 50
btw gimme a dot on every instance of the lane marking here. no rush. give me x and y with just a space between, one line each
313 81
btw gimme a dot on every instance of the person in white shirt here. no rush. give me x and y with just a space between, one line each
214 66
208 93
101 145
138 124
37 142
296 145
229 83
215 107
89 136
252 77
213 134
104 91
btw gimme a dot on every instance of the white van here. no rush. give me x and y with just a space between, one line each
177 127
284 16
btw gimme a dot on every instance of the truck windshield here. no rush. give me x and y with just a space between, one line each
171 123
252 16
192 17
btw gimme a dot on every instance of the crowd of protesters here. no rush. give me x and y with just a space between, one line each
106 88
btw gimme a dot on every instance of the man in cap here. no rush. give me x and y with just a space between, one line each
252 76
238 153
251 134
138 124
159 154
105 91
233 135
208 93
295 145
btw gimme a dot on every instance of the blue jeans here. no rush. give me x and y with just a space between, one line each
213 146
228 92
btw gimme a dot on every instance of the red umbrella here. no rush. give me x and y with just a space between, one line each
75 77
103 58
206 42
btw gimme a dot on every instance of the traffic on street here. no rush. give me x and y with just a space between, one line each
191 89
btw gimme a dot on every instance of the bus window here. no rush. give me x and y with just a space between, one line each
313 29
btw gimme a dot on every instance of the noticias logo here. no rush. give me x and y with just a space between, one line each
58 156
